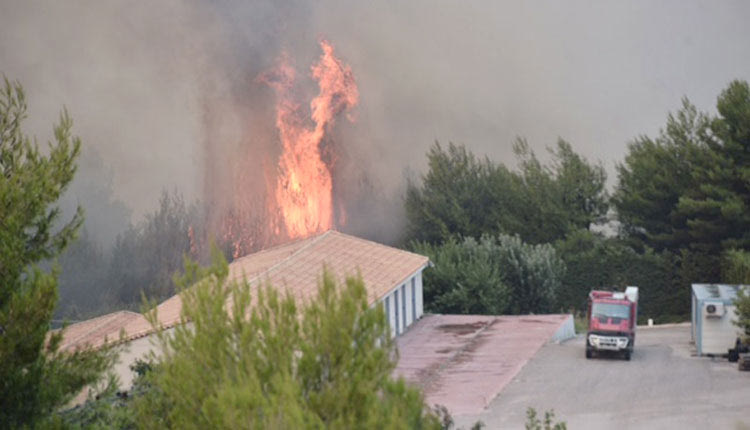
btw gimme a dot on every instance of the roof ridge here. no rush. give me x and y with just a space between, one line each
107 315
95 328
313 240
360 239
273 248
381 245
346 236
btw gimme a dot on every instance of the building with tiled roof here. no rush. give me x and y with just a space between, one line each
392 277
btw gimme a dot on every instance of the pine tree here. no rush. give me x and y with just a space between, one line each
462 195
246 359
492 275
718 208
657 174
35 377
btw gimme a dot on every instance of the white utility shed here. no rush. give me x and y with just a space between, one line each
713 315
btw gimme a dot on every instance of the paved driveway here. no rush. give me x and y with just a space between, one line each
662 387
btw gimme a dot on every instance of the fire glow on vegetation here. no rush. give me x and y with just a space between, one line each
303 195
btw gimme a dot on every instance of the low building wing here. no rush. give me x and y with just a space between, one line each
391 276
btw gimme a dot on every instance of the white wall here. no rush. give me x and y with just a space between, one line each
566 330
693 316
409 304
718 334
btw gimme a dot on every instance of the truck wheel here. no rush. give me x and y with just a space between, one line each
627 355
733 356
588 353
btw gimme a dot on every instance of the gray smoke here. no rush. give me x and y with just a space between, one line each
165 92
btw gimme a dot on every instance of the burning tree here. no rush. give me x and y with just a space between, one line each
279 183
304 194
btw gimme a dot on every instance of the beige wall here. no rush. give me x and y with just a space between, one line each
132 351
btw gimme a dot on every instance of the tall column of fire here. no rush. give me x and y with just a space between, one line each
303 189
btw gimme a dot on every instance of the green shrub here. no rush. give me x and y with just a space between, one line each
735 267
596 262
269 361
493 275
534 423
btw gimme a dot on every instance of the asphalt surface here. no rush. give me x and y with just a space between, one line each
663 387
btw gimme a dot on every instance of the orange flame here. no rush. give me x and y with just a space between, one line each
304 185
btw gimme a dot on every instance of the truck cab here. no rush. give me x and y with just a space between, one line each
612 320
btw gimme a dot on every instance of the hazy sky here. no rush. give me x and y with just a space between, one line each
140 78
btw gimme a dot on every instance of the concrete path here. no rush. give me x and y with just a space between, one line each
663 387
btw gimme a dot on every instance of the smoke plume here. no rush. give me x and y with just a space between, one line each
166 93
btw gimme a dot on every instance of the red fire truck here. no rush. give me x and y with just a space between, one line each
612 319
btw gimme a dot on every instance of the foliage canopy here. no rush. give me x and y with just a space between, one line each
688 188
464 196
492 275
736 270
35 376
269 361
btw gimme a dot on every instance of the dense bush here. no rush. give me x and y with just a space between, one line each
736 270
109 408
465 278
493 275
269 361
663 278
742 303
735 267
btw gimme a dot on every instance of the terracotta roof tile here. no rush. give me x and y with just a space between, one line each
95 331
295 266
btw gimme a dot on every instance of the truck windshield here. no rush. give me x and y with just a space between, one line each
610 310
